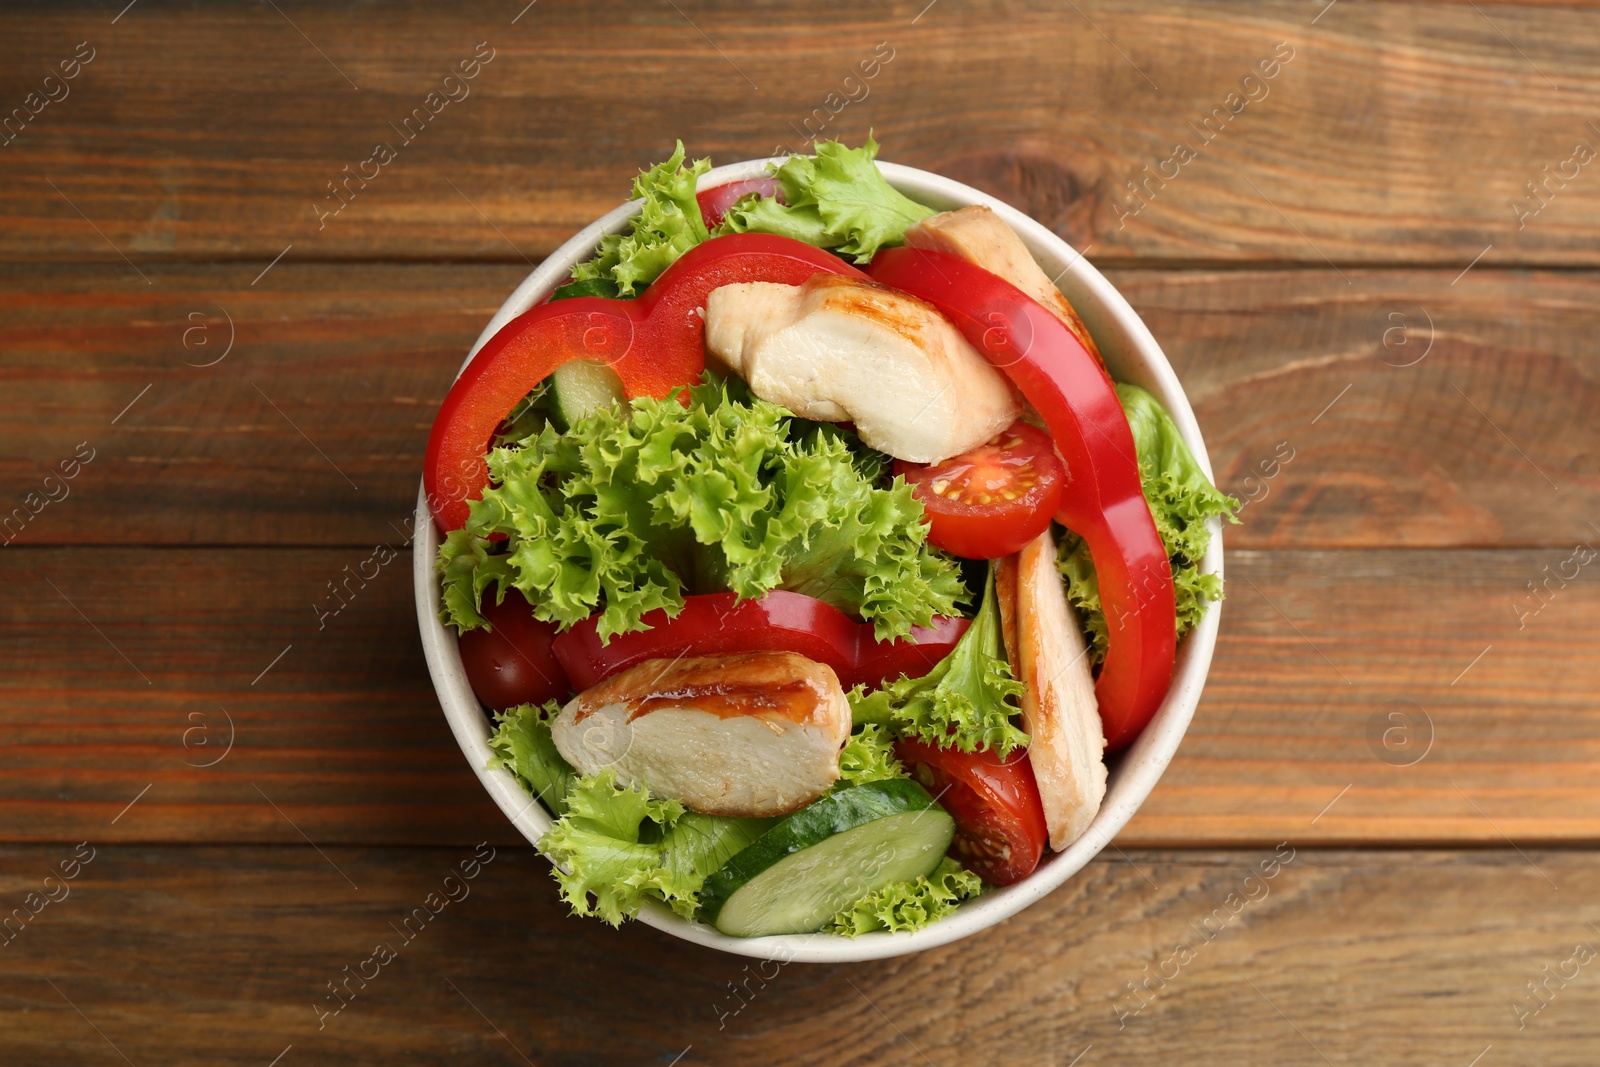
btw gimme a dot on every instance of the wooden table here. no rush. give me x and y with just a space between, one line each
1348 268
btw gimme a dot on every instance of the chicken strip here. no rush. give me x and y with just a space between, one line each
979 236
840 349
753 734
1059 708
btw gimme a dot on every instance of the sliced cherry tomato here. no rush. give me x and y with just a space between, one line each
513 663
1000 828
715 201
714 623
989 502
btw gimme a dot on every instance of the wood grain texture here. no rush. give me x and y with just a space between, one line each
127 671
216 956
1394 696
308 429
343 734
1397 133
1414 409
1353 272
1407 653
311 429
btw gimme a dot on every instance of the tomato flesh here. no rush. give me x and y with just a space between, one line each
715 201
1000 827
513 663
993 500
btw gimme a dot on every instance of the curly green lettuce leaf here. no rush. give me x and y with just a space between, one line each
966 702
874 466
576 517
698 844
633 508
1076 567
863 548
1182 501
903 906
668 224
615 847
736 493
569 557
835 199
607 848
1182 497
776 509
765 214
522 744
467 568
869 757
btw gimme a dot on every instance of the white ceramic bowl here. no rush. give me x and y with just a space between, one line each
1133 356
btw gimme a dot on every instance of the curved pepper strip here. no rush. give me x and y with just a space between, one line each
1103 501
655 344
781 621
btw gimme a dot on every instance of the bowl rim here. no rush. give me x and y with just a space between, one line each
1129 349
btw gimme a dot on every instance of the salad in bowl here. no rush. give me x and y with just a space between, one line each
800 573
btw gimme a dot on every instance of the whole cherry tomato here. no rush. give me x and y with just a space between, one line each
512 663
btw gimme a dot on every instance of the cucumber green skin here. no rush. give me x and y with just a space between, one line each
833 814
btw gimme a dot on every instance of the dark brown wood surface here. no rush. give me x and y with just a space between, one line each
1353 271
224 955
1397 132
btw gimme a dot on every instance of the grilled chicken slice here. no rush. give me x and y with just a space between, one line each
1059 707
979 236
840 349
753 734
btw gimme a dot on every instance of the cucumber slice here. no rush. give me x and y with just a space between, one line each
580 387
802 872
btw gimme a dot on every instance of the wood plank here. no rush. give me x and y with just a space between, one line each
1398 132
221 956
1410 408
1393 696
127 673
311 430
341 739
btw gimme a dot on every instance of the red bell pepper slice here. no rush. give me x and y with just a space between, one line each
715 623
655 344
1103 501
879 662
